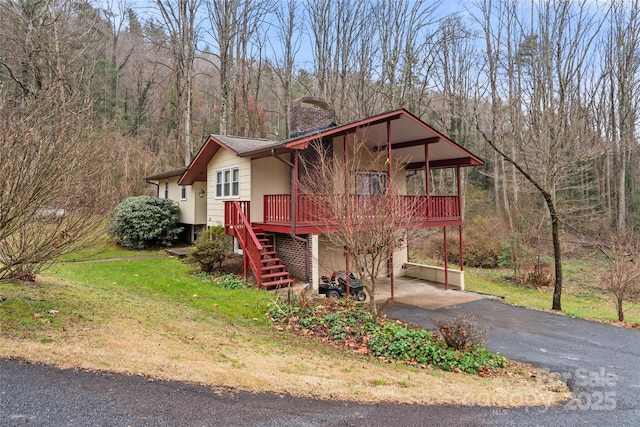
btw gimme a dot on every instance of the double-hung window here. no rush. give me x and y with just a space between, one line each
227 182
371 183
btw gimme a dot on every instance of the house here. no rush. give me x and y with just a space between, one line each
190 199
251 186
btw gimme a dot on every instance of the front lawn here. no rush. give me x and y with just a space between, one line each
152 317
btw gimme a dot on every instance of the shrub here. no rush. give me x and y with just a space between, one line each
141 221
211 248
540 276
461 332
350 326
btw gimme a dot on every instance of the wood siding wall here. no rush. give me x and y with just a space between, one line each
225 159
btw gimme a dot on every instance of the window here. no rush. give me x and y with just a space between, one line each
166 189
369 183
183 193
227 182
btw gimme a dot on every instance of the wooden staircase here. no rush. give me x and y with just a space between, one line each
273 273
258 253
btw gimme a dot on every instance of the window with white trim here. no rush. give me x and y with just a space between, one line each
166 189
371 183
227 182
183 192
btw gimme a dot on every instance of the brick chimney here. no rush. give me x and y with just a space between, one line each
309 114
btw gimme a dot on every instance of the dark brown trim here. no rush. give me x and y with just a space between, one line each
408 144
439 164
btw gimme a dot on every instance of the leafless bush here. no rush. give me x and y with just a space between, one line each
622 251
461 332
50 180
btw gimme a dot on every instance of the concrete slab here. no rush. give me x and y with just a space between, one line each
410 291
178 251
422 294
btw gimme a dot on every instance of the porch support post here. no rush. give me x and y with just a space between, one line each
346 167
392 276
459 192
446 261
460 228
294 192
389 170
347 206
388 156
315 264
461 253
461 261
245 261
346 267
427 190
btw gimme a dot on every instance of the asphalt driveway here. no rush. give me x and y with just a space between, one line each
599 362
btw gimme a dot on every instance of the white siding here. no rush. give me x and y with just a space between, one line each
268 176
192 210
226 159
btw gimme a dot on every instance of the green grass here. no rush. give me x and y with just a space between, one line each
165 278
105 250
581 297
32 310
89 292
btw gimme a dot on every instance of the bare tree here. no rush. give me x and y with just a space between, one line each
621 100
370 227
238 29
407 42
622 253
550 127
287 30
51 186
181 23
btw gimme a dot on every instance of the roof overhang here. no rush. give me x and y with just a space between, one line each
410 137
197 170
168 174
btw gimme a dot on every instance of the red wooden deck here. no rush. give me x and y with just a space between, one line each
315 213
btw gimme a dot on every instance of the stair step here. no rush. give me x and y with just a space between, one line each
278 283
274 275
268 253
271 267
267 260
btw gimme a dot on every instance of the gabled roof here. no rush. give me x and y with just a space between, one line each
409 137
239 146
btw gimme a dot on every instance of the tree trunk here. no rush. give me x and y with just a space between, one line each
557 252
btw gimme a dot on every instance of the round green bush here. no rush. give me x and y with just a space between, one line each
211 248
141 221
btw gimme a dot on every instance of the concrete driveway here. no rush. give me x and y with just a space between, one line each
599 362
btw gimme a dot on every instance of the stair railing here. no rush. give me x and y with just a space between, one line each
251 247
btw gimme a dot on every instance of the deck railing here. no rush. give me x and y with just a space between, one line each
322 209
